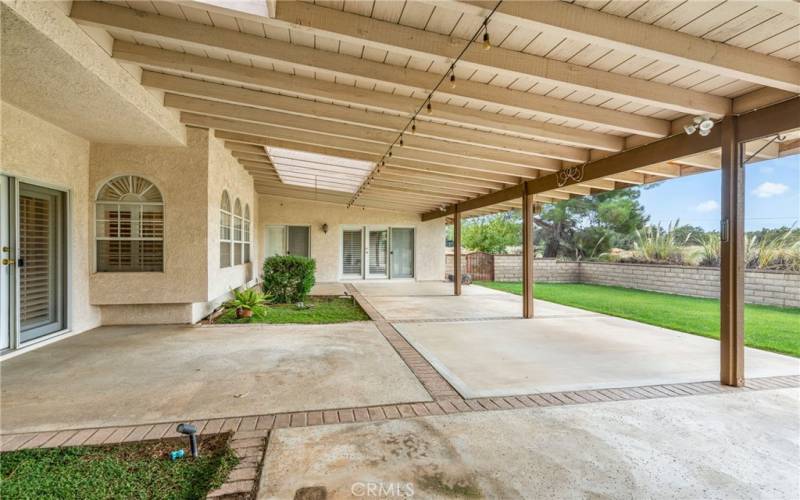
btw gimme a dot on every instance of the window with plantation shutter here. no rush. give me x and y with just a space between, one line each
225 233
237 233
246 237
129 222
351 252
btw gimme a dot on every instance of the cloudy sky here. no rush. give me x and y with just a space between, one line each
772 197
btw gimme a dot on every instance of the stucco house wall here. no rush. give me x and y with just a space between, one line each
39 152
191 180
326 247
226 174
180 173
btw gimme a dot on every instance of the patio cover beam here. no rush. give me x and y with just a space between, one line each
731 267
269 50
309 88
457 251
614 32
770 120
444 49
527 253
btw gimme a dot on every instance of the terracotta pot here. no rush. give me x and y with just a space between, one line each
244 313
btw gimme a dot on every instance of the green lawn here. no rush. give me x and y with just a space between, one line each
771 328
320 310
134 470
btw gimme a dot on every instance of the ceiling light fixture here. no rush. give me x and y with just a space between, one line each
487 44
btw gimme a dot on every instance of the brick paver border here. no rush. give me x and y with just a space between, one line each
433 382
251 426
251 432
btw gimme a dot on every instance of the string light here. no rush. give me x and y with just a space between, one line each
428 103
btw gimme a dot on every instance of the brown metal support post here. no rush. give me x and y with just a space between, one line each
457 252
527 253
731 265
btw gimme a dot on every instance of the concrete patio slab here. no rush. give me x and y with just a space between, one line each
742 445
506 357
133 375
435 301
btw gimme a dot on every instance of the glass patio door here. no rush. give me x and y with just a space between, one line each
377 252
352 253
5 265
40 254
402 252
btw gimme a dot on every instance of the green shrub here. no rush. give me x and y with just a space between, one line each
288 278
250 299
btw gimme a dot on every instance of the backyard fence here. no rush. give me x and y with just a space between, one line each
777 288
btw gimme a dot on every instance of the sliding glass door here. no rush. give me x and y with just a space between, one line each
5 265
33 279
402 253
377 253
288 240
40 261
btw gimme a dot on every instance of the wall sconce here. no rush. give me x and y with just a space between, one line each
325 228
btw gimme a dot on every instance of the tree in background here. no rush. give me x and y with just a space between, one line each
492 233
590 225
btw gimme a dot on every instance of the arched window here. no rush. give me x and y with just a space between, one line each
225 240
246 237
129 230
237 233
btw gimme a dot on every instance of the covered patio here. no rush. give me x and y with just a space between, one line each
478 343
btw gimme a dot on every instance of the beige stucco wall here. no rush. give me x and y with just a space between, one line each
325 248
37 151
225 174
181 175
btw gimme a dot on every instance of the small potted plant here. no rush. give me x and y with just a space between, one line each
247 302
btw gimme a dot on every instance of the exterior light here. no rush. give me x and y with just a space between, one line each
325 228
486 43
429 108
702 123
401 139
452 79
413 126
390 153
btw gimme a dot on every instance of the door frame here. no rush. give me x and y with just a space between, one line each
66 277
388 272
340 271
285 237
413 251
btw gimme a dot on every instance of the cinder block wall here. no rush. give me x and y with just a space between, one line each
775 288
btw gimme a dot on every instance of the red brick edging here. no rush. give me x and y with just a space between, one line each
436 385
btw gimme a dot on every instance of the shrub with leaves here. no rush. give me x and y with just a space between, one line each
251 300
288 278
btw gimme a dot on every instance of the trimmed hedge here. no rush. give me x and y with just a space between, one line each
288 278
